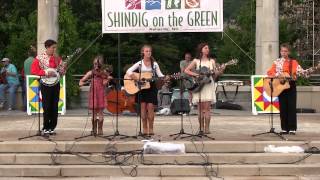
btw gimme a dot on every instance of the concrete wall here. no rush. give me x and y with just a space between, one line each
308 97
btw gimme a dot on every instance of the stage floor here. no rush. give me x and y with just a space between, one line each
226 125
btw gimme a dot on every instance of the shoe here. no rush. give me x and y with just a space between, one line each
151 134
292 132
1 105
52 132
284 132
100 127
9 109
45 132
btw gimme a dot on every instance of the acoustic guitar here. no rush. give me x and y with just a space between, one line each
131 86
195 84
281 82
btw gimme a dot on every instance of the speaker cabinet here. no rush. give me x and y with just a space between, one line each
180 106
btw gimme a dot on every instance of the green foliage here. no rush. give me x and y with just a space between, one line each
68 41
242 34
80 25
18 29
303 82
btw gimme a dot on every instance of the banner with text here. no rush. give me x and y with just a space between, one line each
155 16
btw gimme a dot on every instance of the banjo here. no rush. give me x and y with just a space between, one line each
51 81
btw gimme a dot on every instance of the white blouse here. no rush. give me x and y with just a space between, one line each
144 68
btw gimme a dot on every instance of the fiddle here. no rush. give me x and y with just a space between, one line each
100 73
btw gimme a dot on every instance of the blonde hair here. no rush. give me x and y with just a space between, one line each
99 60
142 49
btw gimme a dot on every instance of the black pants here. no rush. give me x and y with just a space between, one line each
288 104
50 100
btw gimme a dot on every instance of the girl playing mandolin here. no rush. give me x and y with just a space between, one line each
99 79
148 97
206 95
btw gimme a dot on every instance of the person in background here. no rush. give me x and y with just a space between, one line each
27 71
183 65
11 75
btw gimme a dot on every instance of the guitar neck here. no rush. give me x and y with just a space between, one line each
308 71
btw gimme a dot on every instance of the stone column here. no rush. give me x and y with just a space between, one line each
268 33
48 26
258 36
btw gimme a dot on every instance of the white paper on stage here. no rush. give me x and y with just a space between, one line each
163 148
283 149
164 111
159 16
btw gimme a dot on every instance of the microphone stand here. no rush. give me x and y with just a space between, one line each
38 131
140 134
182 132
272 129
94 119
116 133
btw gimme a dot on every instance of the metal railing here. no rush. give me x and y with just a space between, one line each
246 78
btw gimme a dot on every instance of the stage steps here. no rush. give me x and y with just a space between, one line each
244 159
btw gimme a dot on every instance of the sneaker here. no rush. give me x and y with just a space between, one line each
45 132
284 132
52 132
1 105
9 109
292 132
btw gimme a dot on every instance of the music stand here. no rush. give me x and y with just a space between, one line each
272 129
116 132
93 117
181 112
38 131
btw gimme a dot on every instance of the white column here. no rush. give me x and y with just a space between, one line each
258 36
48 26
268 32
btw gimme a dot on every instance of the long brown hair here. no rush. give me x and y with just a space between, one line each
199 49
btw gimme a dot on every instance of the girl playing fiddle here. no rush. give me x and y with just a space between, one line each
99 79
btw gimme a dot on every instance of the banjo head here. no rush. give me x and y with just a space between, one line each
50 81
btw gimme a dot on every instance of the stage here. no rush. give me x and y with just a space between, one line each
226 125
234 154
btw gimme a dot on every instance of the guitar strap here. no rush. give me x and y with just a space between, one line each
290 68
152 67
